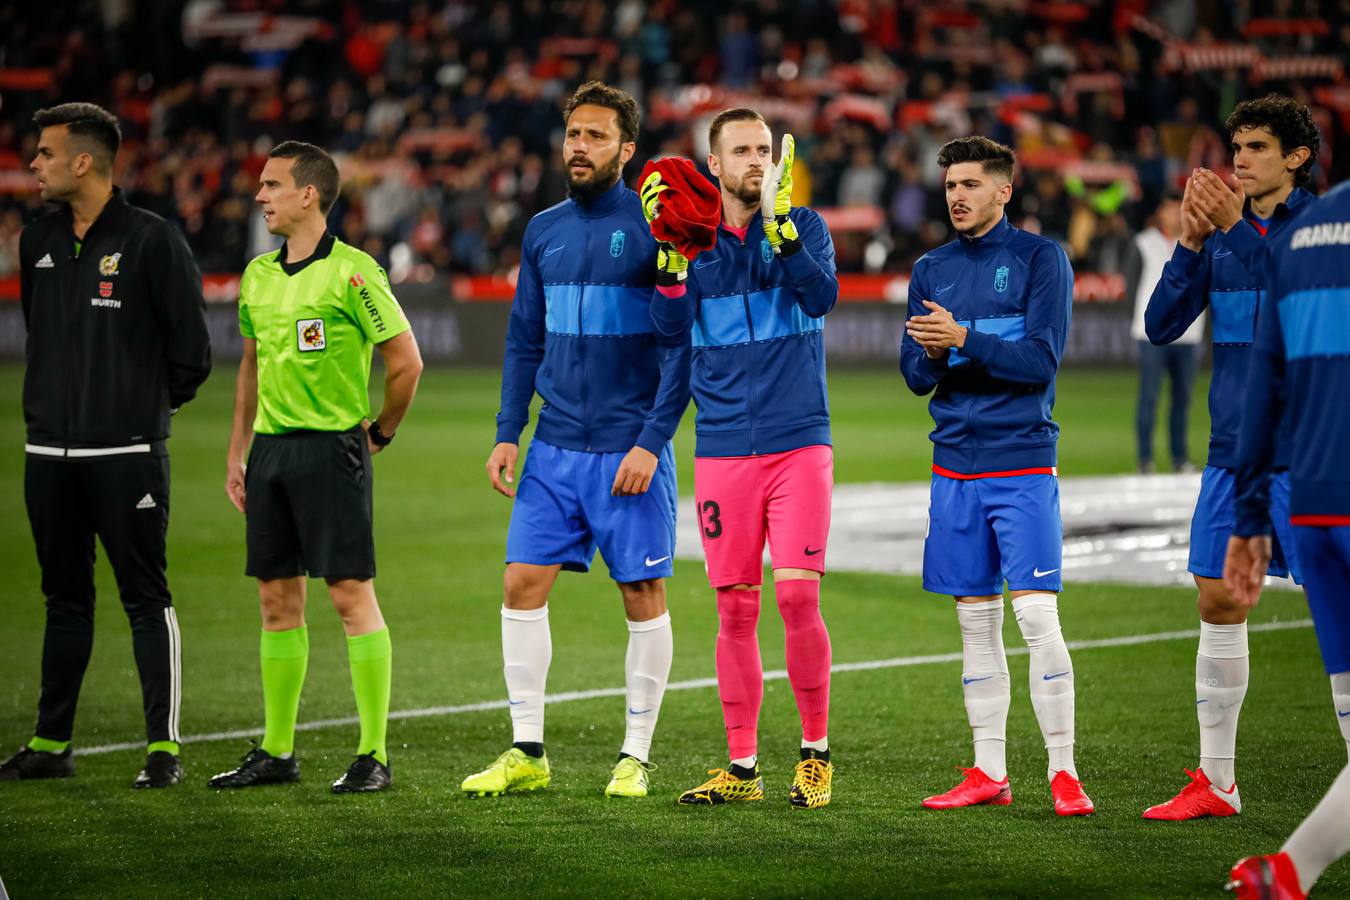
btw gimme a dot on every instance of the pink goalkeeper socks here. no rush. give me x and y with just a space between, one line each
808 653
740 675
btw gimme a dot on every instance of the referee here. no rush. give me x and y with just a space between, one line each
309 315
117 342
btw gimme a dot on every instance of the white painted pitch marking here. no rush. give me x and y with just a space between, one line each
690 685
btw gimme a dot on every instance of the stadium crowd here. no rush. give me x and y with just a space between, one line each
447 119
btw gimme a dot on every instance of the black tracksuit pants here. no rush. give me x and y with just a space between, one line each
124 500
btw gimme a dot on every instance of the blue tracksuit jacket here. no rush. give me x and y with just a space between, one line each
581 334
1300 366
993 398
1229 276
753 324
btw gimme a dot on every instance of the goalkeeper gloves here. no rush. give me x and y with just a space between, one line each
775 202
672 268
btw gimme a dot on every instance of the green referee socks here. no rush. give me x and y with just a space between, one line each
371 657
284 655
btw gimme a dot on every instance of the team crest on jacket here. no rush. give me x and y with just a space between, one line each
105 288
309 335
107 266
616 241
766 250
1001 279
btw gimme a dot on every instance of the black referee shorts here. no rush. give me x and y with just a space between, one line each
309 506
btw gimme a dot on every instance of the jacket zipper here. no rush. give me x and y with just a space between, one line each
581 338
754 369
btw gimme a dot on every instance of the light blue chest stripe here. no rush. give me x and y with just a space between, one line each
1234 316
774 313
1316 323
1005 328
597 309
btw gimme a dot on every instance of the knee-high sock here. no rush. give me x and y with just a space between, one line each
371 657
807 645
740 674
1340 695
284 658
1221 668
651 647
1051 677
527 651
985 683
1324 836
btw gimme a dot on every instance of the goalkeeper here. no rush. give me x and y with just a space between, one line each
750 313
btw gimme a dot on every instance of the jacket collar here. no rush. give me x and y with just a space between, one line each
994 237
603 205
1296 200
113 210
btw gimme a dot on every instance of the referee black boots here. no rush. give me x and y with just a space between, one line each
258 767
29 764
365 774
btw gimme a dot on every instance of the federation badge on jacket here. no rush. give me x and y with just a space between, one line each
309 335
107 266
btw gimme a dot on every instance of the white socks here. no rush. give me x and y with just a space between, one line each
527 650
1221 668
984 681
1324 836
1340 695
651 647
1051 677
820 746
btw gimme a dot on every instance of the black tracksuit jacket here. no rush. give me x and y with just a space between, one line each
117 334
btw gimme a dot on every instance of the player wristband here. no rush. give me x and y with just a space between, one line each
378 437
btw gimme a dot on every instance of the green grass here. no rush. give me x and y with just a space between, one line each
897 733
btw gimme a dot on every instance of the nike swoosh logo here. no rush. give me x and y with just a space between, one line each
515 702
638 712
1039 574
965 680
703 262
809 552
1198 702
1222 252
1343 714
1048 677
552 250
656 562
942 290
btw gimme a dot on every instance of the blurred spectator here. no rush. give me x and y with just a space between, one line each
448 114
1175 361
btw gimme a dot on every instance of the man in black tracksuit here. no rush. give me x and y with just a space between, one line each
117 341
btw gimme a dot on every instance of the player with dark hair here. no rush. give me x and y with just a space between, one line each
310 314
117 342
988 318
1220 265
600 472
1299 366
750 313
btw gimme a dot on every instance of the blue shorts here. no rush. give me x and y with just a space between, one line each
1326 573
984 531
1216 516
564 510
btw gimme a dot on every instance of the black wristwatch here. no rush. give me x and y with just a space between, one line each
378 437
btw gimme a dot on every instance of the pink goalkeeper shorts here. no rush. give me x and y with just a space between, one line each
741 500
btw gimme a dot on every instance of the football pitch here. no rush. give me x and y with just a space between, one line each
898 726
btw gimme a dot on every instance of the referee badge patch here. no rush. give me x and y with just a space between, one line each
309 335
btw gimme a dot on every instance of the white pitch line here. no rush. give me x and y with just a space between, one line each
690 685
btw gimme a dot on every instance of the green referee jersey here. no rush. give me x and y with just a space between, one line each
315 322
